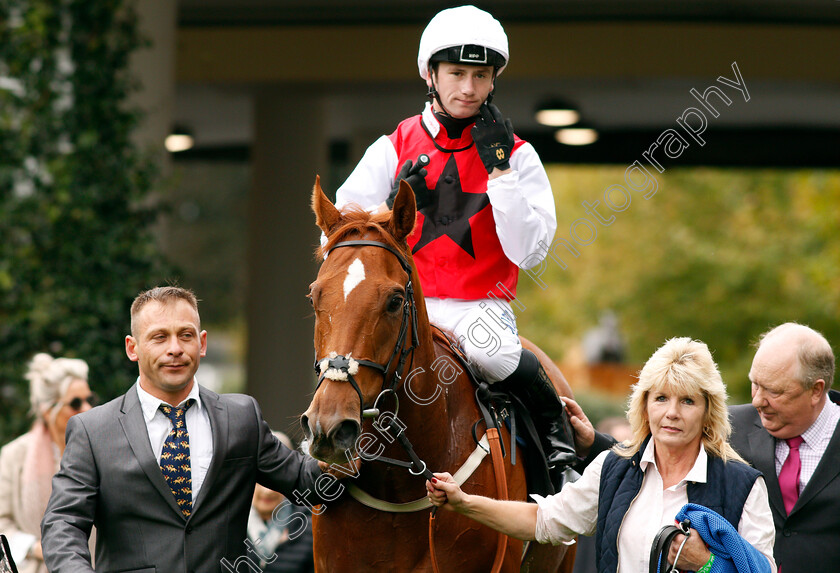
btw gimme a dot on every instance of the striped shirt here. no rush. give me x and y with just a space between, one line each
815 443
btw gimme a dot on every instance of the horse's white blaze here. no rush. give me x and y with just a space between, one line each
355 275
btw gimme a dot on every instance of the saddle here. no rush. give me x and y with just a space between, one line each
500 407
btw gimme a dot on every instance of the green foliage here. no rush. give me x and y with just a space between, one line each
75 220
599 406
717 255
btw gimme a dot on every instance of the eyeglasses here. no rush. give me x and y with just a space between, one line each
76 403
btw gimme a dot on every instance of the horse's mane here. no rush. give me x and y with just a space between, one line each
358 222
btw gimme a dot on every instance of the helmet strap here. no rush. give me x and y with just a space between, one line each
492 93
432 93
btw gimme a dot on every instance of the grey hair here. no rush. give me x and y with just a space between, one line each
49 379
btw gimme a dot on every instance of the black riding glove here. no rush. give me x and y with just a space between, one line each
415 175
493 136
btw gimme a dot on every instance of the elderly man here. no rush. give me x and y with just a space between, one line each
790 434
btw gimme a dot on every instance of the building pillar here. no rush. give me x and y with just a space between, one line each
289 150
154 67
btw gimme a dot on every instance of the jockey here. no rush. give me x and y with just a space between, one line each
484 208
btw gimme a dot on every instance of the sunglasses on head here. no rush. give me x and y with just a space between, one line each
76 403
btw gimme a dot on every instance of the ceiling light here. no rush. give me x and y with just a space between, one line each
576 135
557 113
180 139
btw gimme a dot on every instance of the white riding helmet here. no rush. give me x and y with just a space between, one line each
458 31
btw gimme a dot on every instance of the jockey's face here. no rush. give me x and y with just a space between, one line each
461 88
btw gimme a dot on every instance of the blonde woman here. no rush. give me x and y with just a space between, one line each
678 453
58 390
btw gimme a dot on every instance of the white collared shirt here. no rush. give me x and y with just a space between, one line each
198 427
574 511
815 443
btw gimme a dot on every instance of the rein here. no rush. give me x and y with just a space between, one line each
662 544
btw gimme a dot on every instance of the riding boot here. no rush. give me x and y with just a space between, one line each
530 383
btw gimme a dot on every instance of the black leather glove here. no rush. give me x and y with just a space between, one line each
415 175
493 137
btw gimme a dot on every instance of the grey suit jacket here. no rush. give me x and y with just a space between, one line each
807 540
110 478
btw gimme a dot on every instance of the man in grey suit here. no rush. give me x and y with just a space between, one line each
790 433
166 472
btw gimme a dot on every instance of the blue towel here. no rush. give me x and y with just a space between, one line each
732 553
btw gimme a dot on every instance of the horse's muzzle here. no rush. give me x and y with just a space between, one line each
331 444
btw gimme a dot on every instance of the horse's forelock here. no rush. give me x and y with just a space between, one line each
356 222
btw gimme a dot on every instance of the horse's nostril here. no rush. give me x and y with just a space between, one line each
344 436
304 424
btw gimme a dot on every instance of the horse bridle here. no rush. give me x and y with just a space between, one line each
343 363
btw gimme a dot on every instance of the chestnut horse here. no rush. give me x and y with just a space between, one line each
376 351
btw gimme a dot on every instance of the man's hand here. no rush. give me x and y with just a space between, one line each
340 471
415 175
584 431
493 137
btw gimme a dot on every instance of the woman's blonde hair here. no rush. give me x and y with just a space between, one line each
49 379
684 366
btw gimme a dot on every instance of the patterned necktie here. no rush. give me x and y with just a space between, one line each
175 457
789 474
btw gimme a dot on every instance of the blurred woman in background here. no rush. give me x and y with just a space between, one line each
58 390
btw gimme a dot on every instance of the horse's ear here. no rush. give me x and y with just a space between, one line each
326 215
404 212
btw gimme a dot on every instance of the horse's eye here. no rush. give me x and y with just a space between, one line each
395 303
314 291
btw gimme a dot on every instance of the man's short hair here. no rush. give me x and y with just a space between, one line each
816 359
163 295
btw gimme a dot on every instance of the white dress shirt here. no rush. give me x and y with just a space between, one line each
814 444
198 427
574 511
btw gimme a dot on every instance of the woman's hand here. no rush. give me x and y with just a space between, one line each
584 432
694 555
515 518
444 492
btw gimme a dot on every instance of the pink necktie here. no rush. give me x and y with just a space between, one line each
789 475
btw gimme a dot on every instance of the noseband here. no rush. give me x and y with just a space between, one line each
339 367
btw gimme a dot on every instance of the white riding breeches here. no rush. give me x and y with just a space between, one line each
486 331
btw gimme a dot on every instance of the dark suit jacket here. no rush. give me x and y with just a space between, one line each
110 478
807 540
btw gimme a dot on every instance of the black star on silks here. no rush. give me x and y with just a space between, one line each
450 211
